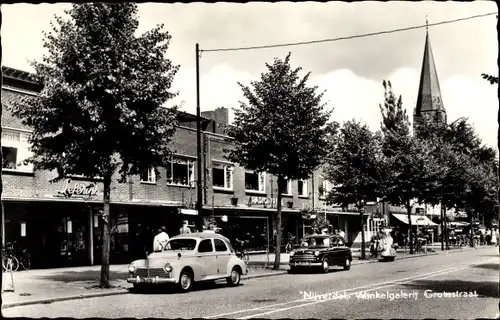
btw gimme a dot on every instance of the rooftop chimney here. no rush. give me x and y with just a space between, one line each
220 119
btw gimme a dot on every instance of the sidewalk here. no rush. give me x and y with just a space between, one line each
51 285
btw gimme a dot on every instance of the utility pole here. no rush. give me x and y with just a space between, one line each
199 191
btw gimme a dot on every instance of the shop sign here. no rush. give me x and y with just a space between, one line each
264 202
78 190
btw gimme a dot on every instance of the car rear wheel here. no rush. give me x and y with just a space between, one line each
325 265
347 264
234 278
186 281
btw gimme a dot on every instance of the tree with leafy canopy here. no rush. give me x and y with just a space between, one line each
100 112
356 169
411 169
280 129
469 164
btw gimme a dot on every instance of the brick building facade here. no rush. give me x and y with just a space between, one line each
59 222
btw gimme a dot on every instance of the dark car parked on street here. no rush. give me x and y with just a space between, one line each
321 251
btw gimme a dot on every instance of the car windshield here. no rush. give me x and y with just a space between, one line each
315 242
181 244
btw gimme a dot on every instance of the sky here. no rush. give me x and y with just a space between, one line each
349 71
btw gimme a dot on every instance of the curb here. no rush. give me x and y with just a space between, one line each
264 275
59 299
113 293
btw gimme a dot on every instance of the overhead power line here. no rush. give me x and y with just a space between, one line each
349 37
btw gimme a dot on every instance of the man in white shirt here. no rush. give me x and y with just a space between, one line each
342 234
160 239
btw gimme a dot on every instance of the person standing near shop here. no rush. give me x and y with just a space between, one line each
161 239
184 229
342 234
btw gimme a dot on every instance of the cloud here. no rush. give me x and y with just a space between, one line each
476 100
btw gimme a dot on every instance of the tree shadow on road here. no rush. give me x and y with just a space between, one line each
491 266
74 276
484 289
173 289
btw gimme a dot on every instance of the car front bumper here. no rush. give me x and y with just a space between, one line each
155 280
304 264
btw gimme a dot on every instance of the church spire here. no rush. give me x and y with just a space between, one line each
429 102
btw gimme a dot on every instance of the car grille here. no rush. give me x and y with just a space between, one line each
153 272
303 257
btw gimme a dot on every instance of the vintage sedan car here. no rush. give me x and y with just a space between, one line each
189 258
321 251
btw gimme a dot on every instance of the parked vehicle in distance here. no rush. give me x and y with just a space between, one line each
189 258
321 251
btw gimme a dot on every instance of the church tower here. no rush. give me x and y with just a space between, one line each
429 103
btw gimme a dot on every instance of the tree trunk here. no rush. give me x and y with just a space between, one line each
277 253
442 218
498 169
446 229
363 240
471 219
410 233
105 233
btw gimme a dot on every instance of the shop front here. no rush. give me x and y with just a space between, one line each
55 233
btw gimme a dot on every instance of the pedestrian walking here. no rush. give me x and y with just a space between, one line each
494 237
488 236
184 229
160 240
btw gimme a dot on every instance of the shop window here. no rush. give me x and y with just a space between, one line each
255 181
149 176
180 172
222 176
219 245
302 188
9 160
205 246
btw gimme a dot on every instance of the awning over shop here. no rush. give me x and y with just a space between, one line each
459 224
415 220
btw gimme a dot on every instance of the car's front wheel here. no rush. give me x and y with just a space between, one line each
325 265
234 278
347 264
186 281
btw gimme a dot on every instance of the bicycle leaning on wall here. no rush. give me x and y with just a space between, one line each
12 259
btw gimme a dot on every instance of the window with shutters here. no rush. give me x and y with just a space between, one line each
15 149
180 172
149 176
255 182
222 176
302 188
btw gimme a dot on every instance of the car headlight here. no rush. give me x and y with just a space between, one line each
316 253
292 253
167 268
131 268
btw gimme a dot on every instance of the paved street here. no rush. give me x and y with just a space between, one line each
284 296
